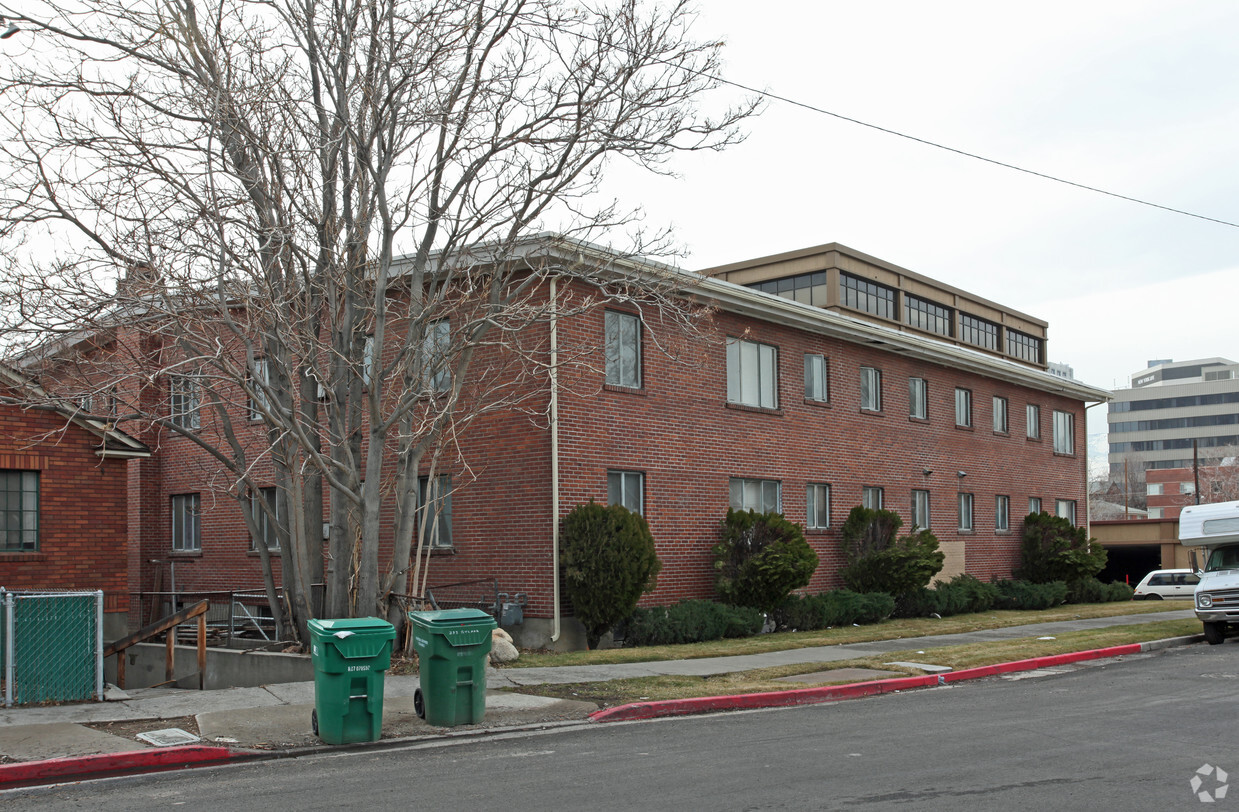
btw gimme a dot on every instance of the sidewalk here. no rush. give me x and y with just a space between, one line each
234 723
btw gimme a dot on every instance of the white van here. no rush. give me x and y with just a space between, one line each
1160 584
1216 529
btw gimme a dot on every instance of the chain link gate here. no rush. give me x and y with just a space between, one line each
51 646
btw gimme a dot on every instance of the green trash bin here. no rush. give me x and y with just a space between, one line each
453 646
350 656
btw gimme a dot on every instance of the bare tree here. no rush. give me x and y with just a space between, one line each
319 220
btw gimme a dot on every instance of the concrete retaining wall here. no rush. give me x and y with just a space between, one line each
226 668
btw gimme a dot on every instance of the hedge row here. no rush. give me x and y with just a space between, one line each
841 607
691 621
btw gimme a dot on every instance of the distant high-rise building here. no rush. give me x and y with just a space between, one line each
1062 370
1170 406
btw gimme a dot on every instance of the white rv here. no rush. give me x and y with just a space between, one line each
1216 529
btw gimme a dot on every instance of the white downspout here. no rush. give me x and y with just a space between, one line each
554 415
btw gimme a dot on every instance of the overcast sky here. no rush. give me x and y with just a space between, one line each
1140 98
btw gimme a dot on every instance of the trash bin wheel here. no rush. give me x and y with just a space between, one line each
314 721
419 704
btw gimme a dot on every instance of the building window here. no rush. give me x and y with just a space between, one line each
817 512
920 509
1155 513
1187 487
184 400
1065 509
965 511
626 488
1002 512
1034 504
268 528
978 332
1064 433
186 523
434 512
259 382
761 495
926 315
862 294
1153 489
871 497
1032 421
918 398
870 389
367 360
752 374
963 407
436 346
1000 415
815 382
19 531
1023 346
623 349
806 288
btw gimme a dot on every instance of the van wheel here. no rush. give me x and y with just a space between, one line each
1153 597
1215 633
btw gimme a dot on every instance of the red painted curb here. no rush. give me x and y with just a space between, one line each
163 758
831 693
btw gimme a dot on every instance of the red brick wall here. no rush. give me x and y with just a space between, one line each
82 508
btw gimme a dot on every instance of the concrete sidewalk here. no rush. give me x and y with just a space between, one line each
277 717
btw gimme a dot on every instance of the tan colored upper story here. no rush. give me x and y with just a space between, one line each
837 278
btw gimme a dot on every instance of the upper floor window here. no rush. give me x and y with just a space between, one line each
1002 512
1032 421
871 297
626 488
623 349
926 315
816 386
367 360
268 512
434 512
436 348
918 398
871 497
920 509
752 373
1064 433
1023 346
185 400
817 510
963 407
259 381
19 511
806 288
870 389
187 522
978 332
761 495
1034 504
1000 415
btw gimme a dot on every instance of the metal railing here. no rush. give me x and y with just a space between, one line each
168 624
231 614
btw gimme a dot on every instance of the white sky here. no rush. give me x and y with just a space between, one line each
1138 97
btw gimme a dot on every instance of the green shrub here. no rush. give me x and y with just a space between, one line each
1054 549
1026 595
879 562
607 559
840 607
760 559
1090 590
969 593
692 621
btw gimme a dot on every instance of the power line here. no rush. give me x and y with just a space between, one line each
804 105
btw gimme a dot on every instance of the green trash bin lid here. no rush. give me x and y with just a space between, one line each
353 637
460 627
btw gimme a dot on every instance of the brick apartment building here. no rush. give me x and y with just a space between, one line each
816 381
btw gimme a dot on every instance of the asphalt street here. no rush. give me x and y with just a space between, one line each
1129 733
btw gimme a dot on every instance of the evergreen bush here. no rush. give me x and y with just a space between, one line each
607 560
690 621
880 562
1015 594
1054 549
760 559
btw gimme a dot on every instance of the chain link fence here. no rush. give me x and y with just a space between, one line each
51 646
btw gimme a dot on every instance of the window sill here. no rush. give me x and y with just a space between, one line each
1062 454
740 407
1032 439
958 427
817 531
922 420
873 412
1002 434
186 554
961 531
273 552
821 404
22 555
625 390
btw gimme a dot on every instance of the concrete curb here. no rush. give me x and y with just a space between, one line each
833 693
27 773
